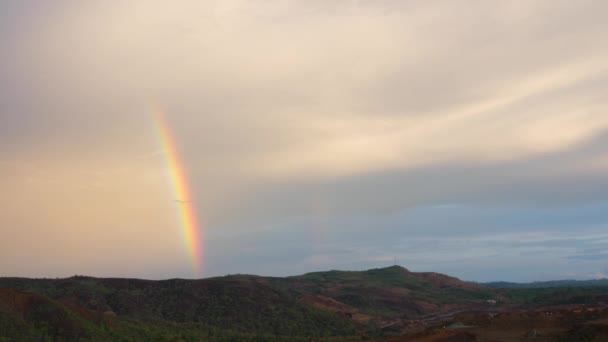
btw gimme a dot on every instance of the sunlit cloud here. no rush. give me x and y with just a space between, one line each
297 116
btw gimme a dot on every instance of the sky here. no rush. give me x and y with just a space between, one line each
460 137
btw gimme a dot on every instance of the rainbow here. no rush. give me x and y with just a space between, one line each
182 193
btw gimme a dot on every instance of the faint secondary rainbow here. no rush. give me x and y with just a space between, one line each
183 195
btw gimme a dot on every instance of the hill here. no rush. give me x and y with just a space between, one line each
333 305
547 284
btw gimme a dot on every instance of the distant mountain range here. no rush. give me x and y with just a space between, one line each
545 284
331 305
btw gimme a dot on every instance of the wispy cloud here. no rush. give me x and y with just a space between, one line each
302 122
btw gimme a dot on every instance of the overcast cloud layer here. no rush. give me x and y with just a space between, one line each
464 137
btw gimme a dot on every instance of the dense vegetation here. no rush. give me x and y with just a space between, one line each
187 310
332 305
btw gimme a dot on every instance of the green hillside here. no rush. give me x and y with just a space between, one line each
333 305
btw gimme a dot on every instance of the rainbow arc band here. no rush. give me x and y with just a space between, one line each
182 191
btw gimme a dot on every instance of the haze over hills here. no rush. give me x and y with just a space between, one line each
349 305
550 283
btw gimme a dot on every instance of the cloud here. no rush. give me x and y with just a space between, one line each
333 115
